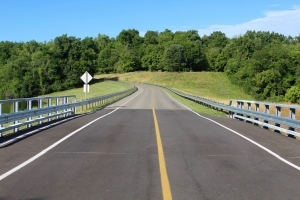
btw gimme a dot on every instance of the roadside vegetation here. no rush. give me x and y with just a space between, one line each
197 107
264 65
215 86
96 90
210 85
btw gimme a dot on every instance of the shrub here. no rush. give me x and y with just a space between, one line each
293 95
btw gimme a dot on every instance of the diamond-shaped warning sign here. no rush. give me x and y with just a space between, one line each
86 77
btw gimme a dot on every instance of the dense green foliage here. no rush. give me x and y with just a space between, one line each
263 64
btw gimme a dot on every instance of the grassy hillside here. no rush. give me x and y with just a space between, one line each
211 85
96 89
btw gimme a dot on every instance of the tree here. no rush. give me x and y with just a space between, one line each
165 37
264 64
103 61
153 57
194 56
151 37
126 37
101 42
215 39
174 58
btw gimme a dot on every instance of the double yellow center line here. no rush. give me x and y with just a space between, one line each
166 190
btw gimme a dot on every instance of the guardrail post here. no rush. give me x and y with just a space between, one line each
240 105
257 110
67 102
29 107
278 113
64 102
230 114
56 103
74 110
249 108
0 114
40 102
49 105
292 116
16 109
267 110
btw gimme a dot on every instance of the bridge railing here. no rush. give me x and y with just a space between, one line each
284 125
63 108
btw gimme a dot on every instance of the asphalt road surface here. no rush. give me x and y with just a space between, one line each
148 146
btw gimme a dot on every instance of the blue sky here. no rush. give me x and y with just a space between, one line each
43 20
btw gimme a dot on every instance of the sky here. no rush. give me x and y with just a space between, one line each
43 20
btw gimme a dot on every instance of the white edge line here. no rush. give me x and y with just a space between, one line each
60 141
36 130
3 144
246 138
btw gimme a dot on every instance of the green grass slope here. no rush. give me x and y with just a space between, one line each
96 89
211 85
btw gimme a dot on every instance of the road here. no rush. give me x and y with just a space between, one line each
148 146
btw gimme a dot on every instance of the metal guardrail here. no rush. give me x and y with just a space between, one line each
245 104
25 104
253 116
51 111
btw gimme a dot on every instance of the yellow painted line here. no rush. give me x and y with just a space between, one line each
166 190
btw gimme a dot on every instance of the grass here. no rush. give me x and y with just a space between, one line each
196 107
211 85
96 89
109 102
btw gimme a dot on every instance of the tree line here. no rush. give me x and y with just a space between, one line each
263 64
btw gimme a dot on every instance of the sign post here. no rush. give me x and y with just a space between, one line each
86 77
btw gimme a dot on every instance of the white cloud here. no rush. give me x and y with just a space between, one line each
286 22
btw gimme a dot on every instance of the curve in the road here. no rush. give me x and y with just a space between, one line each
117 157
246 138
